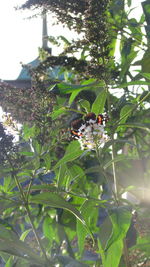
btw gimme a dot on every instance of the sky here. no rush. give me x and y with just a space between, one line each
21 37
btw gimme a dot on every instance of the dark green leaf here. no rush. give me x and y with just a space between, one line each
117 159
85 104
70 155
56 201
70 262
10 243
121 219
144 126
124 114
145 75
129 3
5 204
69 88
126 64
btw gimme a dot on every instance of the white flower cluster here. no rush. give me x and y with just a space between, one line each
90 132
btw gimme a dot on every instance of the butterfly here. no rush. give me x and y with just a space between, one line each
78 126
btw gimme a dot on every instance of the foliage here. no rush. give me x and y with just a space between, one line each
60 205
90 19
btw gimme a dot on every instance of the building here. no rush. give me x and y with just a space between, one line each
24 79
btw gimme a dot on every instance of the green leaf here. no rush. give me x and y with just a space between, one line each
76 172
73 96
144 126
121 219
101 252
145 62
10 243
68 261
58 112
61 176
124 114
85 104
24 234
67 43
10 262
129 2
5 232
47 160
86 211
90 81
77 91
74 145
145 75
99 103
27 173
71 154
29 132
117 159
37 146
132 83
114 254
27 153
69 88
143 244
127 62
56 201
48 230
113 46
5 204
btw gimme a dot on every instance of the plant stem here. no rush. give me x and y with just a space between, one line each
126 254
113 150
114 169
35 232
25 202
30 217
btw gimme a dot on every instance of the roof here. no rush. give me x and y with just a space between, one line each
18 83
25 72
54 73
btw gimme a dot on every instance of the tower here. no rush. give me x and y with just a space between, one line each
44 31
24 78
